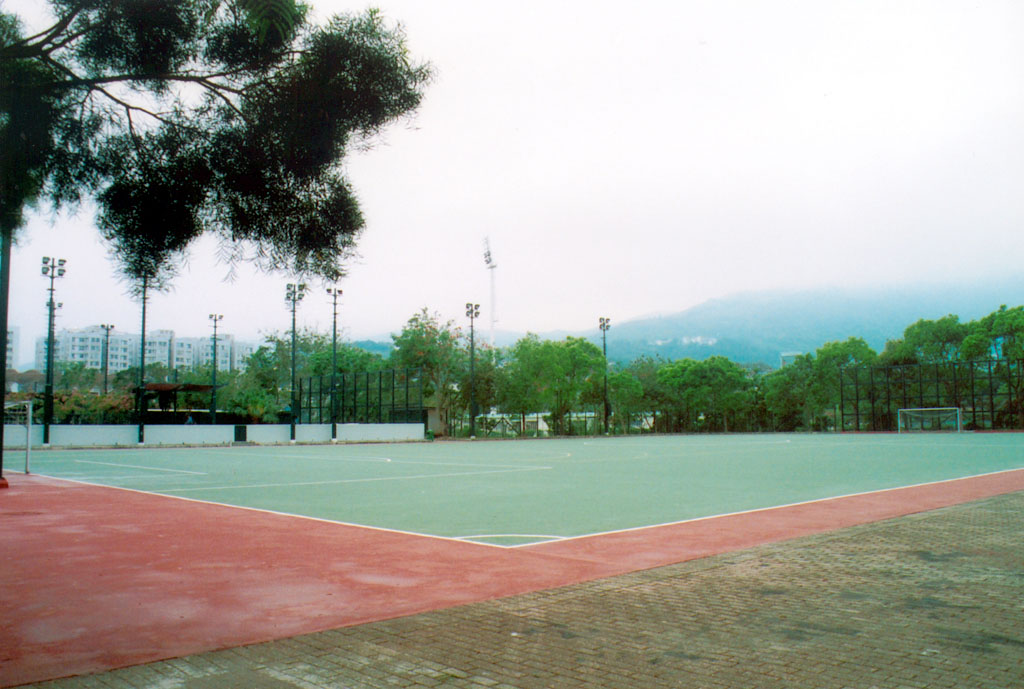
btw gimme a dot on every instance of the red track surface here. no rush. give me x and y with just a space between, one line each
97 578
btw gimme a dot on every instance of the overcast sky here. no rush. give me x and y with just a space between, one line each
630 158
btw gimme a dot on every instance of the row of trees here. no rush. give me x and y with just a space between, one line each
560 377
686 395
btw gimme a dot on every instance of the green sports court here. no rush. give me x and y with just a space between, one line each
514 493
121 558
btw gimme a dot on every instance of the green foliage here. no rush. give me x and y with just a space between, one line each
75 376
485 380
626 397
427 343
788 394
255 404
710 392
81 406
829 359
552 376
194 116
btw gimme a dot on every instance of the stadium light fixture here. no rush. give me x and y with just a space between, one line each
473 312
334 293
52 268
293 294
605 324
106 353
216 318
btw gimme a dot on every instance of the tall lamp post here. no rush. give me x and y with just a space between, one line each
52 268
473 312
106 353
293 295
604 324
216 318
140 390
334 293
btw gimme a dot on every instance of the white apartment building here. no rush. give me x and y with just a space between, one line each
12 347
240 353
87 344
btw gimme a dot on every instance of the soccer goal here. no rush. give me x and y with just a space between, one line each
18 417
928 419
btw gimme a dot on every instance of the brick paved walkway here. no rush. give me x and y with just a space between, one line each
930 600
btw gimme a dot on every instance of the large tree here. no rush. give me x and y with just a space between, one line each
181 117
186 116
427 343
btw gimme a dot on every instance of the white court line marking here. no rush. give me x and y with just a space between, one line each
546 538
406 461
322 520
356 480
753 510
136 466
560 455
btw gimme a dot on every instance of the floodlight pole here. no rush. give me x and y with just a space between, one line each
294 294
216 318
5 289
604 324
473 311
334 293
491 266
140 393
52 269
106 353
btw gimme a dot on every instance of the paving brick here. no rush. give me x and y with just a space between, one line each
929 600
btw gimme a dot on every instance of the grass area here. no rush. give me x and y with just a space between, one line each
516 492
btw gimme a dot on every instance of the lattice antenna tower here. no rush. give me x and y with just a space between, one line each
491 265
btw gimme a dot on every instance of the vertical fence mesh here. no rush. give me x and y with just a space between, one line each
989 393
389 396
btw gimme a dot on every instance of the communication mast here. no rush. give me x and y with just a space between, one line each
491 265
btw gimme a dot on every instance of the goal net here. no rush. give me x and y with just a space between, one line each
18 426
928 419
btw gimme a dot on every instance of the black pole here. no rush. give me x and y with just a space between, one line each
473 311
48 389
604 324
294 294
293 403
334 292
106 354
5 285
215 317
53 268
140 395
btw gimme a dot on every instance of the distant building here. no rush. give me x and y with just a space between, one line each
240 353
160 348
790 357
86 346
12 347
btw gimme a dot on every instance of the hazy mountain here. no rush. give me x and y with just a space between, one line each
760 326
757 327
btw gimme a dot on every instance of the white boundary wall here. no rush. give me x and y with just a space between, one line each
162 435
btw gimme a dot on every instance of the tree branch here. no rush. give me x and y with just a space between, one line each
26 48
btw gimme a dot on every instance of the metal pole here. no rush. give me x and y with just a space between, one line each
473 311
52 269
605 324
5 285
293 403
48 390
294 294
106 354
140 395
215 317
335 293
